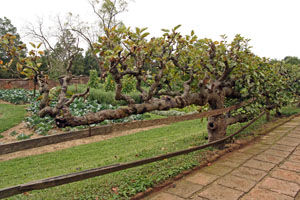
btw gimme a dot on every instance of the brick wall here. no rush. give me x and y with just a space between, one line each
28 84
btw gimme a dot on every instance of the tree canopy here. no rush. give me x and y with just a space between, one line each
6 27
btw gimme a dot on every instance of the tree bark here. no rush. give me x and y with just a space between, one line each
216 125
155 104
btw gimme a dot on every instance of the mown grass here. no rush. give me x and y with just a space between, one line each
119 185
11 115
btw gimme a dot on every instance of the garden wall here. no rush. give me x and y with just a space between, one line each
28 84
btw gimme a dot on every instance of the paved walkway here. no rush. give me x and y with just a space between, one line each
269 169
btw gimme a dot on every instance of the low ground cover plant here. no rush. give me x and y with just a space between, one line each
79 107
16 96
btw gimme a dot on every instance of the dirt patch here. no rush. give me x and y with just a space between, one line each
68 144
4 102
21 128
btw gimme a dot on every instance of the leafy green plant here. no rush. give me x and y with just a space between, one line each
1 136
109 84
102 96
129 84
94 81
23 136
16 96
13 133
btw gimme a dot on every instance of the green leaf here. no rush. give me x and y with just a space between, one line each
39 45
176 27
138 31
143 29
192 33
165 30
145 35
33 45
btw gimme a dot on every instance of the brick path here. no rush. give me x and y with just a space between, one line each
269 169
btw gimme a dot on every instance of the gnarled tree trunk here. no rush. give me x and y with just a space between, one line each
216 125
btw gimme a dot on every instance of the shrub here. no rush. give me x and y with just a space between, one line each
129 84
102 96
109 84
94 81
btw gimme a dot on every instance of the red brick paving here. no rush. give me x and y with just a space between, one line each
219 192
261 194
283 147
257 164
236 182
202 178
269 158
291 166
249 173
184 188
266 170
286 175
280 186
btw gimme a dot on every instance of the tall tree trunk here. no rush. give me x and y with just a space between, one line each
216 128
268 109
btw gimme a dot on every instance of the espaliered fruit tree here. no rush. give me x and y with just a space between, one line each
171 71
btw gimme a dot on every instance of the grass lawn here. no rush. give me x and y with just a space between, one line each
11 115
119 185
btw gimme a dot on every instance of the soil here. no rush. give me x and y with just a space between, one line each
62 145
4 102
22 128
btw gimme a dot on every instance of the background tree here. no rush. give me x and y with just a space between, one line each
6 27
292 60
57 56
106 13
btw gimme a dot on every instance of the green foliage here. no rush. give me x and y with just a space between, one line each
102 96
40 125
23 136
292 60
168 113
16 96
59 56
128 83
6 27
94 81
109 84
191 108
13 133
